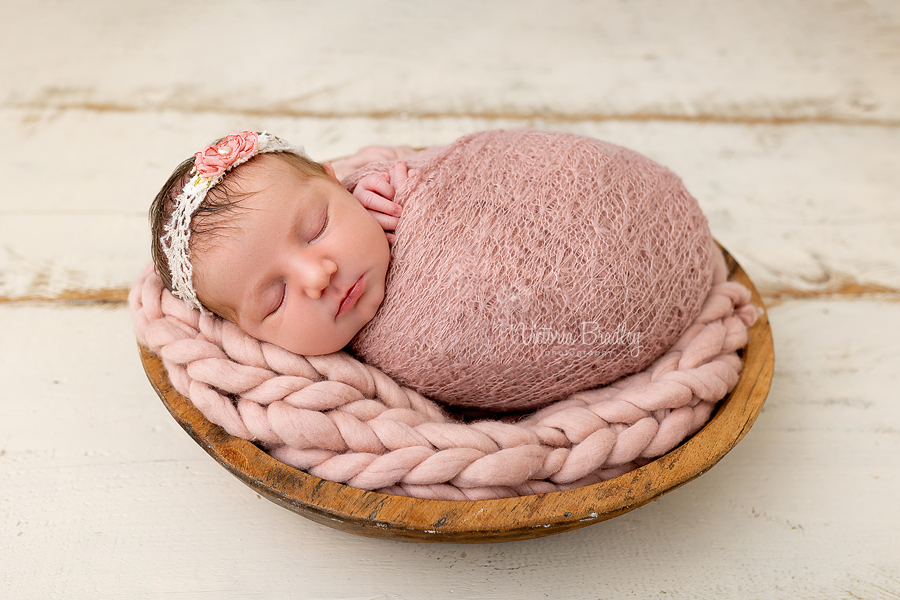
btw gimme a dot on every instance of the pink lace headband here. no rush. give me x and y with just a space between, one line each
210 166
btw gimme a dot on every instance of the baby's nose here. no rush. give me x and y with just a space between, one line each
319 278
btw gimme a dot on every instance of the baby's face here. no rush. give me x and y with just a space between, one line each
302 265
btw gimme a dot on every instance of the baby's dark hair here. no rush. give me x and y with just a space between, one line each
220 202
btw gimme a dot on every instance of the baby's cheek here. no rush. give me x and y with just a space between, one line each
371 306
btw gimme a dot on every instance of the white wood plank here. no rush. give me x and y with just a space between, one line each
102 495
766 59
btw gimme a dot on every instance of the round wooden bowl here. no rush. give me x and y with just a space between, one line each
400 518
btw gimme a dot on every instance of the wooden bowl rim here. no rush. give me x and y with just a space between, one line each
379 515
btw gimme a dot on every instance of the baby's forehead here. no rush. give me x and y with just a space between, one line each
268 171
260 171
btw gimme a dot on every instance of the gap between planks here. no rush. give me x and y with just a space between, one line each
547 117
109 296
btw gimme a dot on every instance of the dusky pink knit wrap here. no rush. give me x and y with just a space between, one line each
529 265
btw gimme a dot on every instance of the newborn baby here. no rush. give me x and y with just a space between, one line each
275 244
527 265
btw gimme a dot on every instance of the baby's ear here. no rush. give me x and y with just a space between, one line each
330 170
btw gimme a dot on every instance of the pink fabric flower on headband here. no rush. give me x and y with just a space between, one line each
215 159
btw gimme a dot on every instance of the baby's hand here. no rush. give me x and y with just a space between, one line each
376 192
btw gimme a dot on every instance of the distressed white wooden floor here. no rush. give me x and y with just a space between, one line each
782 117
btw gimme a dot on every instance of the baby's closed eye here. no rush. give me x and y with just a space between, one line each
325 221
277 303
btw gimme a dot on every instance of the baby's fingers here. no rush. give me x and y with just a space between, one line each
387 222
399 173
377 204
378 183
375 193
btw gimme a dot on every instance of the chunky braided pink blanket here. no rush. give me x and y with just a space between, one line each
346 421
529 265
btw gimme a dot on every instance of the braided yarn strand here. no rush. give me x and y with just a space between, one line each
345 421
